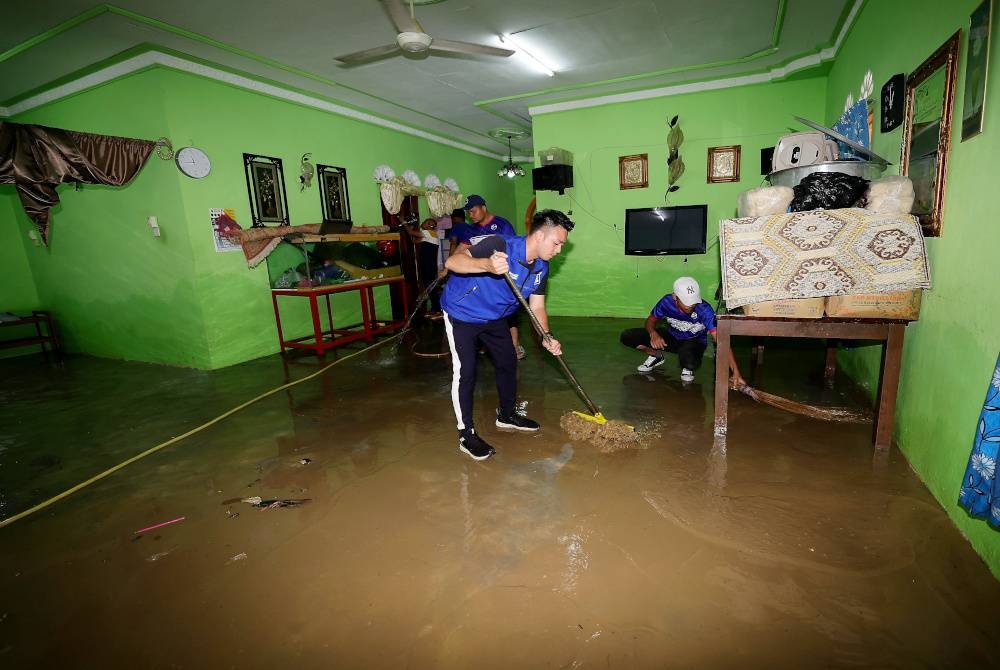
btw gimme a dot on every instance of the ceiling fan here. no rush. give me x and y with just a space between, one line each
412 39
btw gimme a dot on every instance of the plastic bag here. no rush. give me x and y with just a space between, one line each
763 201
828 190
890 195
329 274
289 279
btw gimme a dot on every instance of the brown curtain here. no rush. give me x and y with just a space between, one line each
36 159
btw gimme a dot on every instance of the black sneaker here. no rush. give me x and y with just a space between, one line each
474 446
517 422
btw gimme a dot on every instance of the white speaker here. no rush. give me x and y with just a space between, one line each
800 149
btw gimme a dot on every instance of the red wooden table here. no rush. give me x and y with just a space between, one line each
889 332
320 340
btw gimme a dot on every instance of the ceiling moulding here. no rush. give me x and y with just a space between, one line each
783 70
222 46
693 87
156 58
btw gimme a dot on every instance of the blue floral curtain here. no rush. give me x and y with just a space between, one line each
854 126
980 487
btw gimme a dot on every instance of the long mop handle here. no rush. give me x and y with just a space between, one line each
541 332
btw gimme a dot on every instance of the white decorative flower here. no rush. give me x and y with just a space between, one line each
995 511
412 178
996 379
383 173
431 181
984 465
849 102
867 86
451 184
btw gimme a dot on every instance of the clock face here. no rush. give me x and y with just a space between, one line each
193 162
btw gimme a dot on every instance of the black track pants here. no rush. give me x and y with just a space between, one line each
690 352
463 338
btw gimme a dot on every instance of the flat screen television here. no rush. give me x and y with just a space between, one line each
659 231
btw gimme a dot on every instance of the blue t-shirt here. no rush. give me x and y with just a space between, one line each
483 297
683 326
497 226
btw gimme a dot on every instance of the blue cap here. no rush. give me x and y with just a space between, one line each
474 201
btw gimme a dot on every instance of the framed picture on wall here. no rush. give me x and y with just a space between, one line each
977 60
266 188
723 164
333 193
633 171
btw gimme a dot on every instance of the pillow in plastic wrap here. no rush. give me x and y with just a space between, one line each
890 195
765 200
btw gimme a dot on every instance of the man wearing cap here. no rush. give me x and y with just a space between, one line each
688 319
485 222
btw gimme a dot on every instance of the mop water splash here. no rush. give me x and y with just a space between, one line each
608 436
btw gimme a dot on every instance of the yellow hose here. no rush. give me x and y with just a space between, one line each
174 440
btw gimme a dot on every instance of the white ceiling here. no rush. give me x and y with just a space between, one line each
636 44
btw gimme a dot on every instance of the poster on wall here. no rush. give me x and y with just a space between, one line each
222 243
977 60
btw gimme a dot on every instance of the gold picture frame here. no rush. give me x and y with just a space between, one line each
633 171
724 164
930 97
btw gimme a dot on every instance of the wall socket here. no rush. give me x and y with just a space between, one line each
154 225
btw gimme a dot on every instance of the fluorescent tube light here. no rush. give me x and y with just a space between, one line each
539 65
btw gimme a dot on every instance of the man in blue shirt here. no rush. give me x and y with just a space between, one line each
477 301
689 320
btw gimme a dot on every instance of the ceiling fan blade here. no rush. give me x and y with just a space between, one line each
400 16
369 54
455 46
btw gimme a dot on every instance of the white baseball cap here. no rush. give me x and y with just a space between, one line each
687 291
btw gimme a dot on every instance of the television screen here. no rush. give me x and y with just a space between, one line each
654 231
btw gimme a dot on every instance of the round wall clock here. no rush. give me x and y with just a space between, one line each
193 162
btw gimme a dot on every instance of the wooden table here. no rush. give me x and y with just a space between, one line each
889 332
320 340
38 318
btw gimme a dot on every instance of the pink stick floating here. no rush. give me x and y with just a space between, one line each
159 525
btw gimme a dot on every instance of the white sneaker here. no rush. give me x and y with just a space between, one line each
650 363
687 375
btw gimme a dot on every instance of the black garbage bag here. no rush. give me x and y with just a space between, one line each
828 190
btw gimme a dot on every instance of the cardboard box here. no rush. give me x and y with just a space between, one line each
900 305
799 308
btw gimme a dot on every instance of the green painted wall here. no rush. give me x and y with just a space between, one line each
523 194
120 292
114 289
17 291
599 279
949 353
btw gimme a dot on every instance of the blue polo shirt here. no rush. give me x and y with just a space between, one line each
497 226
683 326
483 297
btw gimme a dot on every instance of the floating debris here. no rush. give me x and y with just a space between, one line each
159 525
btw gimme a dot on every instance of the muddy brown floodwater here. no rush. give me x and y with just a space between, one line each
790 545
